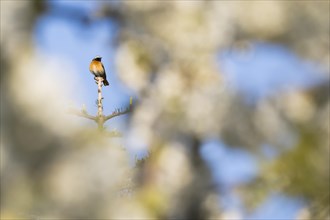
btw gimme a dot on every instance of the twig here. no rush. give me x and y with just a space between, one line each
82 113
100 119
117 113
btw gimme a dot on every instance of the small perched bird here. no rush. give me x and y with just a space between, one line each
97 69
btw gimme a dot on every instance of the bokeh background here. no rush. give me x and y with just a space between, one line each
230 119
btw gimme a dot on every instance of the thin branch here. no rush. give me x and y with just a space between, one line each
99 97
118 112
100 119
82 113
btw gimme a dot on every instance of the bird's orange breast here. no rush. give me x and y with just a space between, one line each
96 67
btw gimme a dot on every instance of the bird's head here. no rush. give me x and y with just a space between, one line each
97 58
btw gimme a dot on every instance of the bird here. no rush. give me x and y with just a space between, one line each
97 69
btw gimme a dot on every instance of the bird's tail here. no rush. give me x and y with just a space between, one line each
105 82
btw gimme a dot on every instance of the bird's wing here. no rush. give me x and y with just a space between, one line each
103 68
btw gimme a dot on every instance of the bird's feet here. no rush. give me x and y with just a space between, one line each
96 78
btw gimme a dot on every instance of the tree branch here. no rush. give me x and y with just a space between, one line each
82 113
119 112
100 119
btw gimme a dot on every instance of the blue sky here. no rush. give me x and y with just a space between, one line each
269 69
